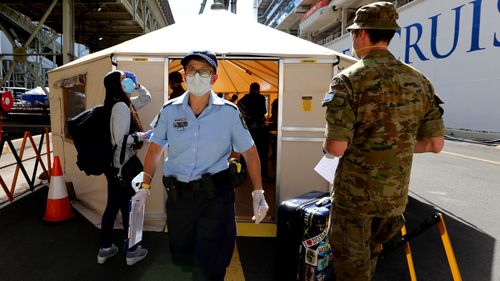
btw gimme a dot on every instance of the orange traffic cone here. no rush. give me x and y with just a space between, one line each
58 205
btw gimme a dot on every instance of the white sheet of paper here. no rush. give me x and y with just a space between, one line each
326 167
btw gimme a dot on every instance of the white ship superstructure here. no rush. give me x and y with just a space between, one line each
454 43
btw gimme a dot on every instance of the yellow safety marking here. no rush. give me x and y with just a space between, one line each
473 158
235 272
250 229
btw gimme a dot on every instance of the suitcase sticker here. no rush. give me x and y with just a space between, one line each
317 262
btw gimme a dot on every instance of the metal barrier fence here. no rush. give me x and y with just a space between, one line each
436 218
20 162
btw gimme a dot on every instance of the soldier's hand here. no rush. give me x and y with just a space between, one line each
260 206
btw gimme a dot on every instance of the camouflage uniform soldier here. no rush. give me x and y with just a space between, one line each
379 112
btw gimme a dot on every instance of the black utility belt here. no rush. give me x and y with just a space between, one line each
217 179
209 184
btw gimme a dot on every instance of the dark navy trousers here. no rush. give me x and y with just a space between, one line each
202 231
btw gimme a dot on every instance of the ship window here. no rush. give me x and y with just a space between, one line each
74 103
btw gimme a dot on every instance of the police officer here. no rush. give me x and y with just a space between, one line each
200 130
379 112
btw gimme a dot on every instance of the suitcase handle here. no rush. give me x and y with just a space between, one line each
323 201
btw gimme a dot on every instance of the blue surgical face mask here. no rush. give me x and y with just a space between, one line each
128 85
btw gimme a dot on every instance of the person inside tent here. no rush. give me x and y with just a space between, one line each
175 84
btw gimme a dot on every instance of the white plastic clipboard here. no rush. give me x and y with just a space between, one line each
137 206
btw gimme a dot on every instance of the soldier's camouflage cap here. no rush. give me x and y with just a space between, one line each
378 15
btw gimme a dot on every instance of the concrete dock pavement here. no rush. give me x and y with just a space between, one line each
461 182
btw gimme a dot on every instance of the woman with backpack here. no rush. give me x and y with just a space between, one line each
127 137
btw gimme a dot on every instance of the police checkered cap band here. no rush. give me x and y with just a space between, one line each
208 56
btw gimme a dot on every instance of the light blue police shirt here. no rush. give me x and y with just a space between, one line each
199 145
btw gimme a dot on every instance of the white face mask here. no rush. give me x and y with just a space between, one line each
354 54
198 85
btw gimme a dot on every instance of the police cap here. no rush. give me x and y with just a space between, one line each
207 56
378 15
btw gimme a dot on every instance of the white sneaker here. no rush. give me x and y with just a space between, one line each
106 253
134 256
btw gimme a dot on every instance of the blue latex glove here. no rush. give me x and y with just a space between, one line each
131 75
148 134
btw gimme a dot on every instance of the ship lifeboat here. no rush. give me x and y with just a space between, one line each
319 17
35 96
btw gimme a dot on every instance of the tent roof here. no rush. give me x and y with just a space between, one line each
220 31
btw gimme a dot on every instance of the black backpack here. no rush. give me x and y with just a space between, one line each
92 139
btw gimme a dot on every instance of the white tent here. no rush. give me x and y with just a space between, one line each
227 35
219 31
296 71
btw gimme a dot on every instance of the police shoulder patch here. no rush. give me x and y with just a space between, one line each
243 122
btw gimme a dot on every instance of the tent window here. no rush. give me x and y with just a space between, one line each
74 97
74 103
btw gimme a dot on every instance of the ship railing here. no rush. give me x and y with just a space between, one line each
399 3
329 38
19 159
332 35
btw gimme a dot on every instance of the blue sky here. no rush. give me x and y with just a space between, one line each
183 9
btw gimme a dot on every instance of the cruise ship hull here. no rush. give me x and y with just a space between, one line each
456 44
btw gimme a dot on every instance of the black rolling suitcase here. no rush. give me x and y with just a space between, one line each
302 250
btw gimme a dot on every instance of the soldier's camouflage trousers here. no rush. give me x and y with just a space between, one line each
356 242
